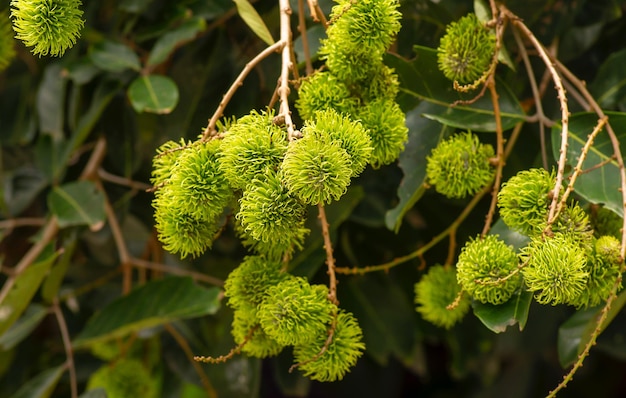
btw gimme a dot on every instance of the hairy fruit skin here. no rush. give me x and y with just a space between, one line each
385 122
296 312
322 91
339 357
269 213
435 291
124 378
317 171
49 26
260 345
556 269
460 166
466 50
524 199
481 267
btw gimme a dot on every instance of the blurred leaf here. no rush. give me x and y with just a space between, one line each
254 21
386 316
420 79
498 317
134 6
97 393
49 157
53 282
154 94
114 57
21 187
509 236
570 335
51 101
42 385
77 203
22 328
424 135
26 285
596 184
576 331
81 71
609 85
167 43
155 303
314 36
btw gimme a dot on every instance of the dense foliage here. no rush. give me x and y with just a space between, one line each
312 198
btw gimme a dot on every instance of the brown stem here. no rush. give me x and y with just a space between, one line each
189 354
137 262
330 259
210 131
286 66
304 37
67 345
491 84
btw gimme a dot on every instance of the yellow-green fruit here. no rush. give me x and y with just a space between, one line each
329 362
246 328
385 122
556 269
466 50
322 91
460 166
435 292
123 379
49 26
484 270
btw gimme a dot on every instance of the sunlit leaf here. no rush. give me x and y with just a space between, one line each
498 317
77 203
424 135
42 385
154 94
155 303
421 79
114 57
600 182
252 18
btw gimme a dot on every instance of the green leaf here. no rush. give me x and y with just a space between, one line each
154 94
21 329
609 85
385 314
498 317
421 79
114 57
77 203
24 288
51 101
42 385
53 282
314 36
155 303
508 236
167 43
576 331
96 393
134 6
254 21
596 184
424 135
20 187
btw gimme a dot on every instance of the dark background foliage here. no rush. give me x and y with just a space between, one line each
53 111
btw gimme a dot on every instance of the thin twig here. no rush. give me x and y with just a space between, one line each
286 66
329 339
67 344
543 54
123 181
137 262
330 259
579 165
189 354
233 351
210 130
304 38
13 223
536 96
491 84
